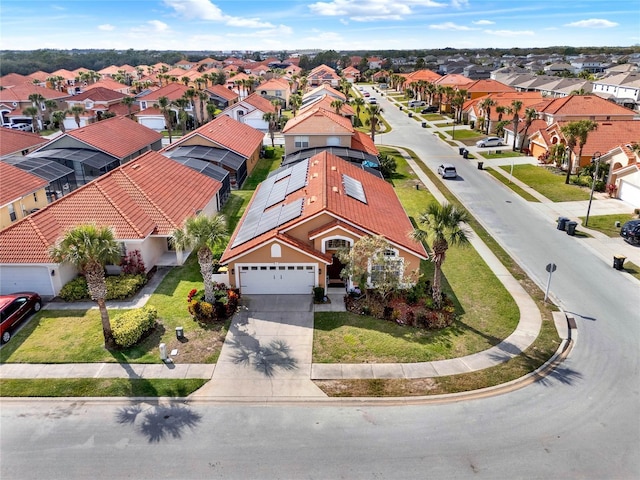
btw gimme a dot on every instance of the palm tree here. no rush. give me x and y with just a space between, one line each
128 101
58 117
486 105
586 126
501 110
529 116
272 119
211 110
182 103
374 111
359 103
77 110
50 106
516 105
164 106
294 102
203 234
33 113
90 247
337 105
185 80
37 100
203 98
571 132
444 225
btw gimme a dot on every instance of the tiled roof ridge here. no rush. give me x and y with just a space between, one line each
38 232
148 199
101 189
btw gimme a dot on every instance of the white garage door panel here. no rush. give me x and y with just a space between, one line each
630 193
279 279
32 279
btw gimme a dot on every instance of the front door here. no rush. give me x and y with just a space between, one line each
333 273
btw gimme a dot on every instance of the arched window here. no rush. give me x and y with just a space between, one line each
276 251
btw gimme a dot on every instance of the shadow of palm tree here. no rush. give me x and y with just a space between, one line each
564 375
265 359
159 422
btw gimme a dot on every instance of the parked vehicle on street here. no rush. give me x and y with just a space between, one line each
416 103
373 100
446 170
630 231
15 307
430 109
490 142
366 94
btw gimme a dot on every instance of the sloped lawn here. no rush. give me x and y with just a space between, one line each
548 183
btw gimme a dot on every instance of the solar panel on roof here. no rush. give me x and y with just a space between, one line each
298 176
353 188
290 211
278 192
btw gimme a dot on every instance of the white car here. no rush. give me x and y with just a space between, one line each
416 103
446 170
490 142
24 127
373 100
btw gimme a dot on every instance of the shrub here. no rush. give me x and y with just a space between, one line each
119 287
318 294
269 152
225 304
131 326
132 264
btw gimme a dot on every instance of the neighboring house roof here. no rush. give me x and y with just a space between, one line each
325 102
13 79
324 90
528 99
15 141
608 135
318 121
118 136
222 92
98 94
453 80
109 84
585 106
427 75
487 86
20 93
362 141
227 133
149 195
274 84
259 102
323 191
16 183
173 91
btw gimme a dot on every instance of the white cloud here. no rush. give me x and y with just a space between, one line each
509 33
459 3
158 26
450 26
362 11
106 27
205 10
483 22
592 23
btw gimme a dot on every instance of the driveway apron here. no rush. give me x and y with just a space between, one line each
267 351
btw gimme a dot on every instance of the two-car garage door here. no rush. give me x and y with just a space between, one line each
292 278
25 278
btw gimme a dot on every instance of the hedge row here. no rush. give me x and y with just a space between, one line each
129 327
118 287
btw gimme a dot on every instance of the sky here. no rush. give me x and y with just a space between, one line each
290 25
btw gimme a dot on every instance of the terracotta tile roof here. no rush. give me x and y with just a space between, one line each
223 92
426 75
259 103
107 83
504 99
228 133
16 183
453 80
274 84
15 141
608 135
20 93
361 141
39 75
585 106
13 79
488 86
382 214
118 136
149 112
173 91
325 102
66 74
327 89
98 94
152 194
318 121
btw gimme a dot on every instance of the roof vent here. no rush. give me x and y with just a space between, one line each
315 175
335 189
134 166
333 168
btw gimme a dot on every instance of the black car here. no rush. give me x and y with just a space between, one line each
430 109
630 231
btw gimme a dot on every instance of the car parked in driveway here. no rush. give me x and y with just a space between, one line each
14 308
490 142
630 231
416 103
430 109
446 170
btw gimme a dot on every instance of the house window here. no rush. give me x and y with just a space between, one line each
336 243
333 141
12 213
276 251
35 197
301 142
390 269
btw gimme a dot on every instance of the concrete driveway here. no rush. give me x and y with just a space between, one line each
267 352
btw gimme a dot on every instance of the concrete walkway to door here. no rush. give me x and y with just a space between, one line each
267 351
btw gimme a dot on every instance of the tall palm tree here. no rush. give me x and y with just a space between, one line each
272 119
203 234
486 105
203 98
128 102
443 225
516 105
571 133
37 100
586 127
501 110
182 103
50 106
529 116
337 105
294 102
359 103
91 247
374 117
58 117
33 113
77 110
211 110
165 107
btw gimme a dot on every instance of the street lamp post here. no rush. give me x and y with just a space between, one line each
594 159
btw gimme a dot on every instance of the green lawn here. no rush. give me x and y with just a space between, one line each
523 193
547 183
487 313
607 223
491 154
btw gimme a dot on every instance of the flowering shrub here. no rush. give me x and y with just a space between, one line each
612 188
133 264
224 306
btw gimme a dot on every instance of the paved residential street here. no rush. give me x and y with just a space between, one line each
582 421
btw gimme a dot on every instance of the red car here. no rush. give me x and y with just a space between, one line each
14 308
